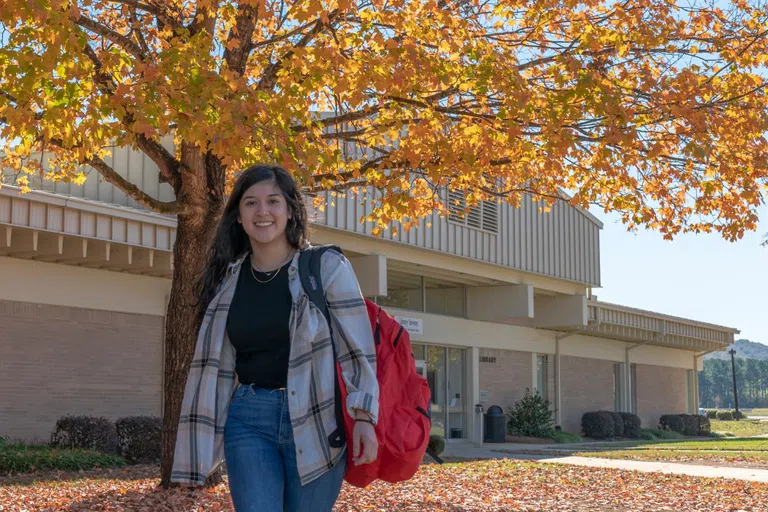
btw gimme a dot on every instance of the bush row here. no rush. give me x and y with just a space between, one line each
685 424
136 438
610 424
716 414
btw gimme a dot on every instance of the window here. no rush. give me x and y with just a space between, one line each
404 291
542 375
444 297
484 215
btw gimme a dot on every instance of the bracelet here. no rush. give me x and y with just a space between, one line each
365 421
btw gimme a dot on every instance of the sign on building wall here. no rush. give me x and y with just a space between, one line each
483 395
412 325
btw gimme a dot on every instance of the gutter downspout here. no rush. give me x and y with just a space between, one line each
558 394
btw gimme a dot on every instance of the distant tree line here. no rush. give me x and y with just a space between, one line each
716 383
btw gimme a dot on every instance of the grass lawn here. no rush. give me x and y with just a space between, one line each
741 428
23 458
478 486
759 412
753 452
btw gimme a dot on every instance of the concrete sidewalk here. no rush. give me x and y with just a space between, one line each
508 451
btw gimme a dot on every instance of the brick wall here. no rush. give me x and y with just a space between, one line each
660 390
61 360
587 386
506 378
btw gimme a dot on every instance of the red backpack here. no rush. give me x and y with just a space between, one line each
403 426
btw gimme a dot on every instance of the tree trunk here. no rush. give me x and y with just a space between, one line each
196 225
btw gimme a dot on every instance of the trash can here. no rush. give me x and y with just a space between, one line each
456 433
495 425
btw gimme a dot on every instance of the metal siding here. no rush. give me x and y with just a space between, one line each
88 224
562 243
55 218
103 227
118 230
37 216
5 209
133 232
20 212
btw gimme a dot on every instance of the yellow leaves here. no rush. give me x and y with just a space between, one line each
233 44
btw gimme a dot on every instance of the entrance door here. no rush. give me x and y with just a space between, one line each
421 367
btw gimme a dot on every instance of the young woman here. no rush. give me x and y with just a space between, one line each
260 390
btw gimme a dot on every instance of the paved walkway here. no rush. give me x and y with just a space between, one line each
538 453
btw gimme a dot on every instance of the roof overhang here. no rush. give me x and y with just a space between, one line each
648 328
49 227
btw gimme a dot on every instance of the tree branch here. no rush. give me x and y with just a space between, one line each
269 78
132 190
169 166
155 10
242 33
109 34
207 19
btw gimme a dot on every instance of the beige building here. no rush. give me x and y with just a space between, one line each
496 302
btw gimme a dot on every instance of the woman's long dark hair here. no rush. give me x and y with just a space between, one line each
231 240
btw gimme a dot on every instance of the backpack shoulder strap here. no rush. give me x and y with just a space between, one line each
311 277
312 282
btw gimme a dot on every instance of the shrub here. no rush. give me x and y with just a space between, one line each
690 425
631 425
738 415
618 424
436 444
531 416
86 432
672 422
724 415
705 428
19 458
711 413
140 438
598 425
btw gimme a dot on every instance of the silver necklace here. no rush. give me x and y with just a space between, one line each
252 265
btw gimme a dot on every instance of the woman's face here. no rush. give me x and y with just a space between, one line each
264 212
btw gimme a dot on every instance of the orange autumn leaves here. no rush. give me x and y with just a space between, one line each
490 486
639 106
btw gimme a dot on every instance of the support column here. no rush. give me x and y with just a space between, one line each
474 425
627 405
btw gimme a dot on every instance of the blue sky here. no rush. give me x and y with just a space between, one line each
700 276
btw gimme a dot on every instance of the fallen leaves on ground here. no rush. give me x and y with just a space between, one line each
501 485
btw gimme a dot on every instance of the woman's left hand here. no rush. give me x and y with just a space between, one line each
365 446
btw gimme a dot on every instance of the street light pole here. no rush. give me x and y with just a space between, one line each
735 390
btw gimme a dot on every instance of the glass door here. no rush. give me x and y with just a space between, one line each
437 386
444 369
456 394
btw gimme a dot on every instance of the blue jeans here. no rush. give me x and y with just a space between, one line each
261 458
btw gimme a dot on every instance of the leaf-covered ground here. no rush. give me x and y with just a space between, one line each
477 486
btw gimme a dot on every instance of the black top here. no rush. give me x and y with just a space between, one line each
257 326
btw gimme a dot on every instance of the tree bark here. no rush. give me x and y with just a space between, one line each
195 228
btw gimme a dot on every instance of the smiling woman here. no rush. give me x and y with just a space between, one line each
261 386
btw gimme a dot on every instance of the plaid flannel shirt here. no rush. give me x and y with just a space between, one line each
311 373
